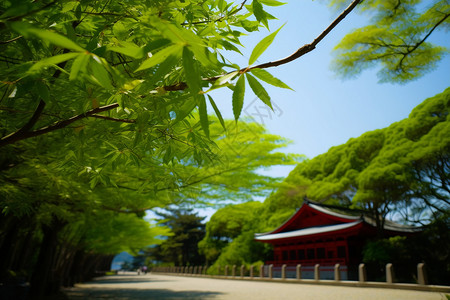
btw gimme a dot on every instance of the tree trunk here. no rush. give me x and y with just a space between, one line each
43 281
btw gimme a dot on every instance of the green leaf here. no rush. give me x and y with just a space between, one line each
269 78
168 30
163 69
46 35
120 31
204 116
79 64
168 155
238 97
217 111
272 2
43 91
226 78
100 74
262 46
229 46
259 13
160 56
54 60
202 55
128 49
259 90
185 109
191 71
250 26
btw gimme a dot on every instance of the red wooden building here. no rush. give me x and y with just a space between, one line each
316 234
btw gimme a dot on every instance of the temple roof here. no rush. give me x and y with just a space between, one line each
305 232
314 219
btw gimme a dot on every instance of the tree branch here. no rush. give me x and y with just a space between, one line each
297 54
21 134
423 40
309 47
24 133
17 18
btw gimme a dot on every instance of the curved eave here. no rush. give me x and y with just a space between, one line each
307 205
334 214
334 229
394 227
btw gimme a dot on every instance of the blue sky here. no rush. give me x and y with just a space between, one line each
324 110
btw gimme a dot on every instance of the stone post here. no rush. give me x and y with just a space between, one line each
195 270
242 271
226 270
337 272
218 270
200 270
251 271
390 278
362 273
271 272
283 271
421 274
317 272
261 271
298 272
234 271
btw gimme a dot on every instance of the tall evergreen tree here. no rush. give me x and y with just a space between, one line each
181 248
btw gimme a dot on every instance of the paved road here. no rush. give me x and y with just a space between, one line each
152 286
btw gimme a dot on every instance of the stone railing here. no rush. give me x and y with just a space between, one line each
266 273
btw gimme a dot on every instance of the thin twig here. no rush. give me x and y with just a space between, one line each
11 40
130 121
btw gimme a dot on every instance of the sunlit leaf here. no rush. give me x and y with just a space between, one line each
226 78
204 116
191 71
259 12
262 46
238 97
53 60
128 49
272 2
46 35
269 78
79 64
100 74
259 90
217 111
160 56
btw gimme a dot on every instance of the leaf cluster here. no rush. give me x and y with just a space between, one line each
396 39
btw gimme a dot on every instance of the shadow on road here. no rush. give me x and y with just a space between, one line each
129 294
131 287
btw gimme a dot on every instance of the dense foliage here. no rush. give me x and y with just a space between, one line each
397 38
104 115
97 126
